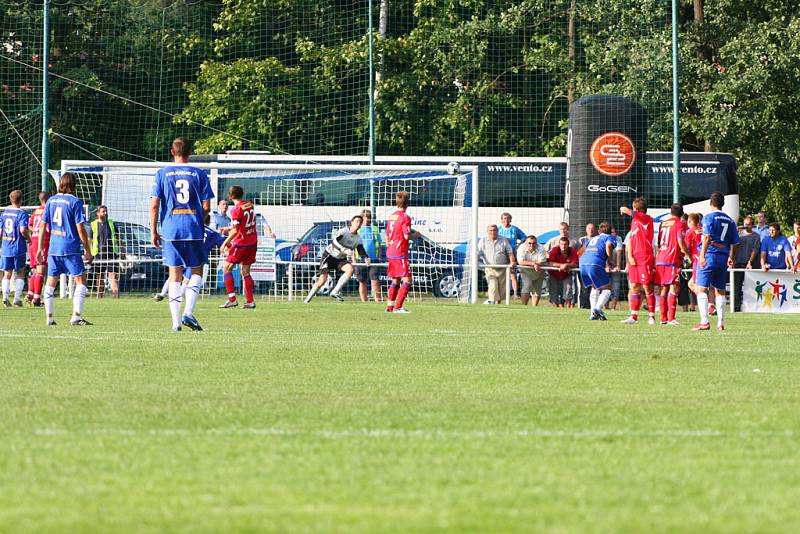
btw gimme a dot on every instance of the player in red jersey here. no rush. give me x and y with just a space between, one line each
671 249
398 232
641 261
36 282
694 235
241 246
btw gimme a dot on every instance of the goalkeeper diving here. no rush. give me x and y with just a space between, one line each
337 256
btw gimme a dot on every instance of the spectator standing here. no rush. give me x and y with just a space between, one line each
514 236
531 254
564 257
371 239
107 249
563 231
794 240
219 219
495 250
761 228
776 252
747 257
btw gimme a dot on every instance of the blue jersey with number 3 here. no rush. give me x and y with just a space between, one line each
181 191
62 214
722 230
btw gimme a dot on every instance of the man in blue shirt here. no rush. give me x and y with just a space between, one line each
592 263
514 235
64 220
776 251
370 235
14 231
717 251
180 199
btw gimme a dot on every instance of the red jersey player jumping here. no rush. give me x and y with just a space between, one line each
398 232
641 261
241 246
36 282
671 249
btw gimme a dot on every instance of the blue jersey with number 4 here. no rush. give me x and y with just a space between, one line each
595 251
12 221
62 214
181 190
723 232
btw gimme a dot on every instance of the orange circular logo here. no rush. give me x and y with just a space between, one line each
613 154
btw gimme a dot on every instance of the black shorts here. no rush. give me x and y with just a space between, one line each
111 267
365 274
329 263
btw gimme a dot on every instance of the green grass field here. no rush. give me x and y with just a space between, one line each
340 418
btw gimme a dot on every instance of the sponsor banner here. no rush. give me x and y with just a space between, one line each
264 267
771 292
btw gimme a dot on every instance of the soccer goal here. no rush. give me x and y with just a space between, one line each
298 209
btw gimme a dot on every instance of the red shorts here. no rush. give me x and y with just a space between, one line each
398 268
242 255
642 272
32 248
666 275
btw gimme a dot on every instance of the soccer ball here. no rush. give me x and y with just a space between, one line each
453 167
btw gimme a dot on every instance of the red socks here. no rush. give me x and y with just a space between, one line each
635 301
392 295
230 287
401 294
651 303
662 306
248 288
672 305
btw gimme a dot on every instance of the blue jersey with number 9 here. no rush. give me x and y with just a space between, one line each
181 191
722 230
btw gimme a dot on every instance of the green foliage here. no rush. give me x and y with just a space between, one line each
454 77
744 98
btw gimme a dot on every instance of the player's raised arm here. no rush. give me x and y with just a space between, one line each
624 210
154 237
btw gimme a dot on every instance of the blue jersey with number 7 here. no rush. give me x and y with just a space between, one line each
722 230
181 190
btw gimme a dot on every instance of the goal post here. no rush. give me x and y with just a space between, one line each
303 205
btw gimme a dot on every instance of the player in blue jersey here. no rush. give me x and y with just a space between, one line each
15 234
717 252
592 265
211 239
63 221
181 198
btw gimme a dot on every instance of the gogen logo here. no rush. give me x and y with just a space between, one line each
613 154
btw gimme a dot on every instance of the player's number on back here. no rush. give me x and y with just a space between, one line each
724 231
249 219
57 216
9 227
182 191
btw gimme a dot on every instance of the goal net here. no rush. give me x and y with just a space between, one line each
299 208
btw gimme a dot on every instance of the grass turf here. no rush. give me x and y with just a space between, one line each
339 418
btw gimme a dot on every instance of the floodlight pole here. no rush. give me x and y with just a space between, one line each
45 92
676 111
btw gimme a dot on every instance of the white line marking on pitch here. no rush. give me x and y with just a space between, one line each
424 434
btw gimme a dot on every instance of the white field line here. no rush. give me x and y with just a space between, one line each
373 433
